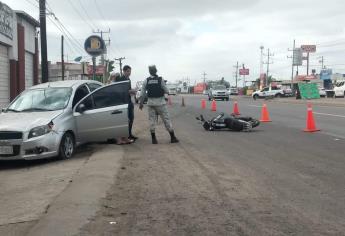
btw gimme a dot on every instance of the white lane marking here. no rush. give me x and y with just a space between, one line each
326 114
253 106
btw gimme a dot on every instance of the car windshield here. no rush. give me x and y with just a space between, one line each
43 99
220 87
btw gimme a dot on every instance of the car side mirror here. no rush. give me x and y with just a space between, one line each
81 108
3 109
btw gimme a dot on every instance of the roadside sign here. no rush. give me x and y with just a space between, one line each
297 57
94 45
99 70
244 71
309 90
308 48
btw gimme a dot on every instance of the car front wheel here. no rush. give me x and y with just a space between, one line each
255 96
67 146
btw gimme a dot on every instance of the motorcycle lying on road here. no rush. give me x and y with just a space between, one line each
229 122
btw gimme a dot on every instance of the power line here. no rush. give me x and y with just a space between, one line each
74 49
33 4
51 14
81 16
87 15
99 11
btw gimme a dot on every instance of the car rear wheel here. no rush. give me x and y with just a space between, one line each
278 95
67 146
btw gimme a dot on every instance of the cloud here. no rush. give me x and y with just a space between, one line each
187 38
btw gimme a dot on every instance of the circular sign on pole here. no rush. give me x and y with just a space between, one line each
94 45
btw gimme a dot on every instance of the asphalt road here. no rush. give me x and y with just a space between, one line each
330 119
276 180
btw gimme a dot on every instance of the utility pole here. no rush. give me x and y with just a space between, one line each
244 76
204 74
62 59
293 58
101 32
43 33
261 59
236 73
107 43
322 63
269 55
307 63
120 62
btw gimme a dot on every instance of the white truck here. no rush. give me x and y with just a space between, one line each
276 91
339 89
172 88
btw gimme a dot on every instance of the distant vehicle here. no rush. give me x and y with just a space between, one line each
276 91
218 92
172 89
339 89
205 92
233 91
322 91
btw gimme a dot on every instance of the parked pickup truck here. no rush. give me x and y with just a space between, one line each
272 92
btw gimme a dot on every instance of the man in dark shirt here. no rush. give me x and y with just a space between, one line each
126 73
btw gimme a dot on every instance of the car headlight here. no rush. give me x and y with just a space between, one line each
40 130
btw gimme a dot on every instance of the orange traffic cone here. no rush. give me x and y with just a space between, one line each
203 103
213 105
311 127
169 101
183 104
236 110
264 114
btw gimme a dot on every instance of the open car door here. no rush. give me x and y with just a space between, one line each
103 114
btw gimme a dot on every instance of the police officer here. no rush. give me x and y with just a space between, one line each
154 88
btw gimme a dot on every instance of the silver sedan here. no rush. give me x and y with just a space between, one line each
51 119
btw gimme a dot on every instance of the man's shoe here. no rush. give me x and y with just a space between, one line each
173 137
154 140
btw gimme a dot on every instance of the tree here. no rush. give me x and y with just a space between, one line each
110 66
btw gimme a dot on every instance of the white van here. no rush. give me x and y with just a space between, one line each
339 89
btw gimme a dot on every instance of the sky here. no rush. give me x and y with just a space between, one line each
185 39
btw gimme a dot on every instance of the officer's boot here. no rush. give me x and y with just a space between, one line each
173 137
154 140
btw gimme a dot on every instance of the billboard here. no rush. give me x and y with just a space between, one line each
244 71
308 48
99 70
297 57
326 74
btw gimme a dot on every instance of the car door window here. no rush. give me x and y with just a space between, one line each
111 95
93 86
80 93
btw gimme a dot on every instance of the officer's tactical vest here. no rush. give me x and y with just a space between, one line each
154 87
